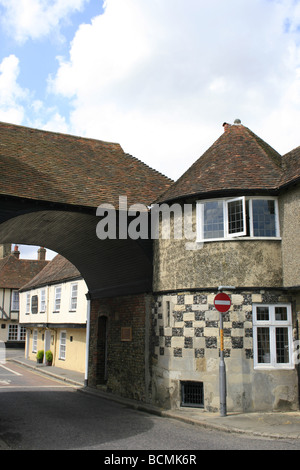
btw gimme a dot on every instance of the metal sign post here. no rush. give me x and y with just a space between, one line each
222 303
222 372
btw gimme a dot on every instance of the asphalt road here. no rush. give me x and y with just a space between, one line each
41 413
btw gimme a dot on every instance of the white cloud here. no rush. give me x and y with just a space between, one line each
161 77
11 94
17 105
25 19
47 118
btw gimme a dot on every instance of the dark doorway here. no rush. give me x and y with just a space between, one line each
102 351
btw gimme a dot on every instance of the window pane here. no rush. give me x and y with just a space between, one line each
13 333
263 345
235 217
63 337
282 345
22 333
43 300
213 220
262 313
74 289
57 298
15 301
280 313
264 218
34 341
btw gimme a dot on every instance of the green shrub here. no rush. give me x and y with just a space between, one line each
49 356
40 355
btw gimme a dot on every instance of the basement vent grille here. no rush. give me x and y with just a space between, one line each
192 394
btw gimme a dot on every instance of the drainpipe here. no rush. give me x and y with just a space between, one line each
87 342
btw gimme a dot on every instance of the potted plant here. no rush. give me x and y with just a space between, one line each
40 356
49 358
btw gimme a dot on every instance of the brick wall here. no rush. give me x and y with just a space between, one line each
127 363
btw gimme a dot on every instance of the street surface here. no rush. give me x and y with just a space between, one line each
38 412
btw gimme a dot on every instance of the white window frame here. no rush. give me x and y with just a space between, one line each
272 324
15 305
62 345
28 303
13 332
241 233
16 332
43 300
227 236
73 298
57 298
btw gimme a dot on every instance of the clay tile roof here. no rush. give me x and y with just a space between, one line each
14 272
58 270
238 160
65 169
291 163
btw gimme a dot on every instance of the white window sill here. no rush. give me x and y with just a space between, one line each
234 239
273 368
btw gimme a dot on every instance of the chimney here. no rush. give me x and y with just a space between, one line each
226 126
16 252
5 250
41 254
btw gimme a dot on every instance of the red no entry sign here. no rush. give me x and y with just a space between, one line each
222 302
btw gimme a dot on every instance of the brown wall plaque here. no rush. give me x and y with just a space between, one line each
126 333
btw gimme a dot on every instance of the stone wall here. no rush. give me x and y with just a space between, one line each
289 204
239 262
127 360
186 348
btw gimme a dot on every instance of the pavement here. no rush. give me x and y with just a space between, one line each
278 425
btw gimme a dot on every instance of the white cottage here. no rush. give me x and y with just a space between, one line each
53 309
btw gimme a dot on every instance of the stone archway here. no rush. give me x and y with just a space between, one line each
118 274
51 186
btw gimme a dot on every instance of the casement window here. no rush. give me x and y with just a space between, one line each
28 303
57 298
225 219
73 297
43 301
16 333
34 341
15 301
62 345
272 336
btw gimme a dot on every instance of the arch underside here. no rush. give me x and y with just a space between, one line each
109 267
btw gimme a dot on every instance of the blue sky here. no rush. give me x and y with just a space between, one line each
159 77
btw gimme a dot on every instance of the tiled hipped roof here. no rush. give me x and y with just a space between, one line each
14 272
291 165
65 169
58 270
238 161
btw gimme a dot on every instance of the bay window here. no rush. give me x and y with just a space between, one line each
219 219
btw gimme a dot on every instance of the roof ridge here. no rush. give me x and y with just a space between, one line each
62 134
67 169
